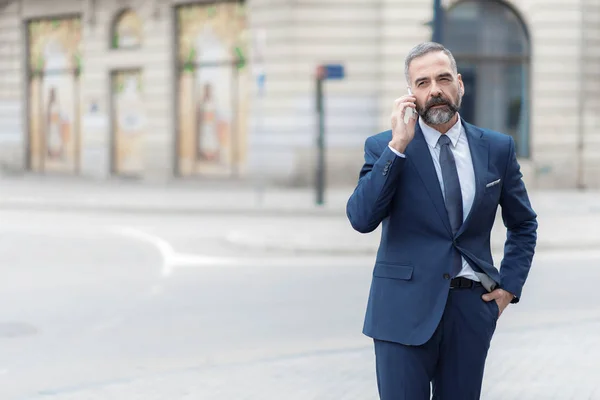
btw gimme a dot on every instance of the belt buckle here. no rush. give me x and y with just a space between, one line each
455 283
461 283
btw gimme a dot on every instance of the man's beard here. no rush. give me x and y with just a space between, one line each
441 115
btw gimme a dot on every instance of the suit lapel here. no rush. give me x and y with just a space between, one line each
418 152
479 148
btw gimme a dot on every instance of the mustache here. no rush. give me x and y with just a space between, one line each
437 101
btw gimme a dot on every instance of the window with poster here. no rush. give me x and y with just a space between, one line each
54 68
211 100
126 30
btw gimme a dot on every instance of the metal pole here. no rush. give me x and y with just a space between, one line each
320 181
437 21
260 186
581 104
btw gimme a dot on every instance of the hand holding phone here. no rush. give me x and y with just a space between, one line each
403 122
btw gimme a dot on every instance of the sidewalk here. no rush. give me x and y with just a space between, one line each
335 236
189 197
287 219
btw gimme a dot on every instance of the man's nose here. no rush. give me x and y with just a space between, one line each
435 90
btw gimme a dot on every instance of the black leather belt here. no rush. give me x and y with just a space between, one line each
463 283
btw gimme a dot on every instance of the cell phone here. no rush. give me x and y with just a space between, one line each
408 113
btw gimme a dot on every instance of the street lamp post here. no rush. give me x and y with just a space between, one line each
437 21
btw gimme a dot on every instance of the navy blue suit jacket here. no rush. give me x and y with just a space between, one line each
410 281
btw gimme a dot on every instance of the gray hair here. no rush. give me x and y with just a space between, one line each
426 48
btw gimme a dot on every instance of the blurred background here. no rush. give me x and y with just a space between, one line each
173 180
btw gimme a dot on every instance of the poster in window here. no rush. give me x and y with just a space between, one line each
54 65
212 88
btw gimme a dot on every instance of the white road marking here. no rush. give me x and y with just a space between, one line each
156 290
171 258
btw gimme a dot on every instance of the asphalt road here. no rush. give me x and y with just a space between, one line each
162 307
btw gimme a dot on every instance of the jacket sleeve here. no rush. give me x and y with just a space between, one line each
521 224
370 202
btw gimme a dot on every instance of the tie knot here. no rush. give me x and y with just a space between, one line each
443 140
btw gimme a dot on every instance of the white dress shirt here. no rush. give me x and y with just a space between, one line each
464 165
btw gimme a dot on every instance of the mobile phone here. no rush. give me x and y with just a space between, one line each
408 113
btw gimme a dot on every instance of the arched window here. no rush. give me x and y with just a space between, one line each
491 46
126 30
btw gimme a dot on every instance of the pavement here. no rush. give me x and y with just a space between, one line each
286 219
154 305
512 373
90 315
175 197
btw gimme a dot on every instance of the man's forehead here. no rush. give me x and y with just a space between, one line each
431 64
434 59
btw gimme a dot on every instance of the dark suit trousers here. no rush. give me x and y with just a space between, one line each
452 361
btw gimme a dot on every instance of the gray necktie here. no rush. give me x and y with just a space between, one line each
453 195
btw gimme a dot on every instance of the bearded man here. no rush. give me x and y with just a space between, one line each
434 182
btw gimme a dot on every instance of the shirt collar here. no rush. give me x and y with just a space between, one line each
432 136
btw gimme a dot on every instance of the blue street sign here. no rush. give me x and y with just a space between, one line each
334 71
260 81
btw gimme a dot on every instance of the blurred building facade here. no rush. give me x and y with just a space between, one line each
166 89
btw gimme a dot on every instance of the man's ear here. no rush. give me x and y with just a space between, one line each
461 85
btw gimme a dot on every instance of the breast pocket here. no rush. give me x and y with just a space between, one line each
493 188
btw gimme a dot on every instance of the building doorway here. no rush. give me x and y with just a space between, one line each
491 45
128 123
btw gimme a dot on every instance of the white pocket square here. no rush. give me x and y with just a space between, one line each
492 183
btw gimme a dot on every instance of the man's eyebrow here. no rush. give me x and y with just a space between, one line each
442 75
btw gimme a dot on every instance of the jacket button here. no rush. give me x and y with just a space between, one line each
446 276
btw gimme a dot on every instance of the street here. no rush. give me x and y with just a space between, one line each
152 306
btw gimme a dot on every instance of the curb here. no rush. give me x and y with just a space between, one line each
44 206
